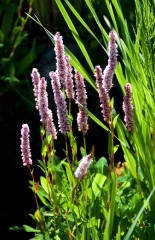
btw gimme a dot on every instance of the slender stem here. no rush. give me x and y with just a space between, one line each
67 156
69 106
111 165
84 142
35 197
112 145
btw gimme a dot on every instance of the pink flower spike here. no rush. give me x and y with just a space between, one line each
83 166
127 107
103 95
43 101
35 79
82 117
50 127
25 146
69 82
60 59
112 61
60 103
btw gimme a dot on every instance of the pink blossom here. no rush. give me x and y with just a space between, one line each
83 166
82 117
112 61
60 103
43 101
35 79
60 58
103 95
69 82
50 127
127 107
25 145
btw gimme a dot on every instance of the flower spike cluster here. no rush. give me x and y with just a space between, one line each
41 99
35 79
127 107
25 146
82 117
60 59
45 112
69 82
112 61
83 166
60 103
103 95
50 127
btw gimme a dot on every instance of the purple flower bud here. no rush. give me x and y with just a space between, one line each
83 166
35 79
110 68
50 127
60 103
69 82
103 95
127 107
82 117
43 101
25 146
60 58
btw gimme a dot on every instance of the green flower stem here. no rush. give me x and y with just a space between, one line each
67 156
84 142
35 188
70 106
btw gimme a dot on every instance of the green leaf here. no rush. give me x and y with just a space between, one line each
98 182
115 121
42 166
44 201
129 233
110 219
118 236
38 237
45 185
116 148
102 166
26 228
83 152
69 174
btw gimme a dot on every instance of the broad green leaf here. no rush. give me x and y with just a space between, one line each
98 182
110 219
45 185
44 201
102 166
115 120
69 174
